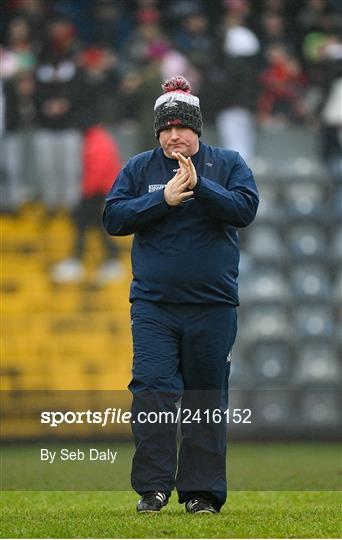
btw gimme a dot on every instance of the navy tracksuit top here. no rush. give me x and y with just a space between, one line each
187 253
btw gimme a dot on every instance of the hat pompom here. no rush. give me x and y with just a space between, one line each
176 83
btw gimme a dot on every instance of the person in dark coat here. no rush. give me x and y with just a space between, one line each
184 202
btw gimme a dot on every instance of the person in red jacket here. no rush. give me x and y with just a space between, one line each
101 163
282 86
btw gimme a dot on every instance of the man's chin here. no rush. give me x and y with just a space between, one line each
181 149
170 151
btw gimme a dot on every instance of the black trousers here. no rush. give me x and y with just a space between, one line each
181 351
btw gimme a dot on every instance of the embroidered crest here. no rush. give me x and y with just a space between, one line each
155 187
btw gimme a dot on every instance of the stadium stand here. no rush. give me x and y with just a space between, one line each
61 337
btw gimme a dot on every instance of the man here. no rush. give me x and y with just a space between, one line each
183 201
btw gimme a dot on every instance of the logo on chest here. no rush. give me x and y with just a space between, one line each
155 187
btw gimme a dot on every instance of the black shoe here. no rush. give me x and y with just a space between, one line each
200 506
152 501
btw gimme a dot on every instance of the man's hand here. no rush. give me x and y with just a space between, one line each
186 164
176 190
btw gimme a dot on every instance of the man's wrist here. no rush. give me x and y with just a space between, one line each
165 200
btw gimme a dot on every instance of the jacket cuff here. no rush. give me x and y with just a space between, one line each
197 187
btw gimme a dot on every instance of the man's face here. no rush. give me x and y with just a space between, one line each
179 139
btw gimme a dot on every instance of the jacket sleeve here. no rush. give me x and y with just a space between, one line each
125 213
235 205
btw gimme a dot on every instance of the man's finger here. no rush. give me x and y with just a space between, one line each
182 161
176 177
181 158
185 195
191 165
179 187
184 186
185 176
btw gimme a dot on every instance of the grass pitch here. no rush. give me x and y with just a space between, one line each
247 514
113 515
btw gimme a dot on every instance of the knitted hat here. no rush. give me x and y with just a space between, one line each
177 107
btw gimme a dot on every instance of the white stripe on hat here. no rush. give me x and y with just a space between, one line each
177 96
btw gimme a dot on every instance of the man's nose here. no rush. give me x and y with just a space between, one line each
174 133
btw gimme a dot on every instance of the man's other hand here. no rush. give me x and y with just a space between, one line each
176 190
186 164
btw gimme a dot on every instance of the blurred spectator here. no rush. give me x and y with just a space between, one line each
145 92
9 62
101 76
147 11
80 14
62 40
18 60
19 41
113 24
316 22
20 121
332 130
238 8
331 106
282 87
273 31
58 140
128 104
101 163
18 53
311 14
195 41
147 41
34 13
235 121
274 6
178 9
171 61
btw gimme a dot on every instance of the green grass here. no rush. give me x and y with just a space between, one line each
306 466
281 505
112 515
